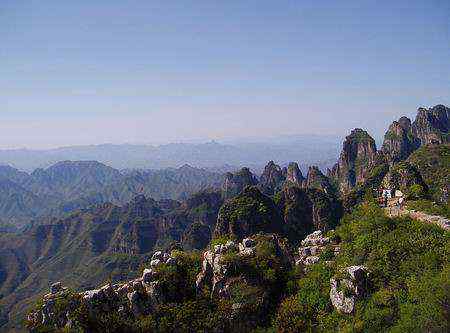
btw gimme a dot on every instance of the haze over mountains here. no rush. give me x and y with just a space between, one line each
307 149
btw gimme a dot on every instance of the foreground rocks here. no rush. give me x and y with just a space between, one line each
315 245
214 268
130 299
219 263
346 290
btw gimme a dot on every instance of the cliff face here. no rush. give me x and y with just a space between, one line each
431 125
315 179
399 141
234 183
305 210
272 178
402 176
248 213
294 175
359 152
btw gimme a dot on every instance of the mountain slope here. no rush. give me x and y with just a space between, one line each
68 186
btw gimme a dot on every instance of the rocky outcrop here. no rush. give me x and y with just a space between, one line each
248 213
234 183
214 269
399 141
402 176
431 125
130 299
218 271
313 246
294 175
315 179
347 290
305 210
271 179
201 211
358 154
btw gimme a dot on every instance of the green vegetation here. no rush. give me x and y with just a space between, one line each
409 276
430 207
433 162
248 213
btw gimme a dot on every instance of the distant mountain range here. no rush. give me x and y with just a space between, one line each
306 149
67 186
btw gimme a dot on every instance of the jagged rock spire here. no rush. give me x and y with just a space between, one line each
358 154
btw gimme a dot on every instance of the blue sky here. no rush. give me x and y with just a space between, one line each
96 71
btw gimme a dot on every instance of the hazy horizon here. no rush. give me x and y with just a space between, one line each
95 72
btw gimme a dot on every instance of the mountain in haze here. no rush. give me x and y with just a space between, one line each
311 149
70 185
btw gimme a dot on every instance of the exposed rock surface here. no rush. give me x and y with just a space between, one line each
234 183
294 175
359 152
402 176
272 178
248 213
313 246
346 291
315 179
399 141
217 272
133 298
305 210
431 125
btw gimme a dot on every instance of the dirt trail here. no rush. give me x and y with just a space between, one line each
440 221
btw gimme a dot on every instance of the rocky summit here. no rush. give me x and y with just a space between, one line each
357 157
363 248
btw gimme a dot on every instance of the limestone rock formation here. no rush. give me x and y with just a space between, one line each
431 125
358 154
402 176
133 298
399 141
214 270
217 270
271 179
248 213
234 183
305 210
346 291
315 179
294 175
313 246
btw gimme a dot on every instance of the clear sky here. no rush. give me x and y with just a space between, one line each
97 71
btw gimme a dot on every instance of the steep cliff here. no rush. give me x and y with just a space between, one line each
246 214
234 183
399 141
358 154
431 125
271 179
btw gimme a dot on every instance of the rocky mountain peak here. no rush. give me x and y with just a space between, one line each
234 183
272 178
315 179
399 141
359 151
248 213
431 125
294 175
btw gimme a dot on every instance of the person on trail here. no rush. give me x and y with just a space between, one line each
400 202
